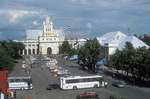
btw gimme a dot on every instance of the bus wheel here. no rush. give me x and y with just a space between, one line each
75 88
95 86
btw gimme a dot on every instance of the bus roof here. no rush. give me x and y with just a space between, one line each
80 77
19 77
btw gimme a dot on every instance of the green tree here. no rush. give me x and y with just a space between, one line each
124 59
73 52
8 53
17 46
113 97
12 48
89 53
133 61
116 60
128 58
6 61
65 48
142 61
146 39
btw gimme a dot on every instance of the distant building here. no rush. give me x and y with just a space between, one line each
77 43
117 40
46 41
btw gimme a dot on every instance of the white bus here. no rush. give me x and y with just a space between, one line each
20 83
76 82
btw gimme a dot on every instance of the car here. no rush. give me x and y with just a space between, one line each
87 95
73 58
53 70
63 72
118 84
52 86
35 62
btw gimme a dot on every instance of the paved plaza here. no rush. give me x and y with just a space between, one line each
41 77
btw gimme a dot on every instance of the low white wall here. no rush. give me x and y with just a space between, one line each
1 95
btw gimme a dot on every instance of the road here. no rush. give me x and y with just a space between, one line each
42 77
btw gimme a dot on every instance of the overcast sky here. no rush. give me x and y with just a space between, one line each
84 17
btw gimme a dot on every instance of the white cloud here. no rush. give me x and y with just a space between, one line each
89 25
81 15
73 0
81 1
14 15
35 23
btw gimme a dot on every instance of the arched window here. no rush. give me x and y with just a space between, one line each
25 52
49 51
33 51
21 52
37 51
29 51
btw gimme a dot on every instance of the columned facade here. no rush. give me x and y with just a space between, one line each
31 47
47 38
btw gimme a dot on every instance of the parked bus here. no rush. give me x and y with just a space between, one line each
20 83
77 82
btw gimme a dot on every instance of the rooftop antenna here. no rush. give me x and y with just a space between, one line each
47 10
128 32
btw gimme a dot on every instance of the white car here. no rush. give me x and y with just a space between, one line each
118 84
63 72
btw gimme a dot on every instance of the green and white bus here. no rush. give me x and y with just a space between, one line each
20 83
77 82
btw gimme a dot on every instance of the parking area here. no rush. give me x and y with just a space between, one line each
42 77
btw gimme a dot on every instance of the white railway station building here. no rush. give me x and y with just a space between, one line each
47 40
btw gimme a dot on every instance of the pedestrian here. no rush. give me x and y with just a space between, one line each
42 67
11 94
31 66
113 75
29 71
15 94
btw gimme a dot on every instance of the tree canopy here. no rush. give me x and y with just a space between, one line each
9 51
89 53
135 62
65 48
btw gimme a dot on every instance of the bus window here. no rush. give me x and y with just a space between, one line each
72 81
18 80
11 80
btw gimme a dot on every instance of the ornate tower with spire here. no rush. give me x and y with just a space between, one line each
50 40
48 27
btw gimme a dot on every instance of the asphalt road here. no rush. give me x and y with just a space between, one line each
42 77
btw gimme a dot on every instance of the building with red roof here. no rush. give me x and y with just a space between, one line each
4 84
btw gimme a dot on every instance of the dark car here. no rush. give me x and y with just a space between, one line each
87 95
99 72
52 86
118 84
